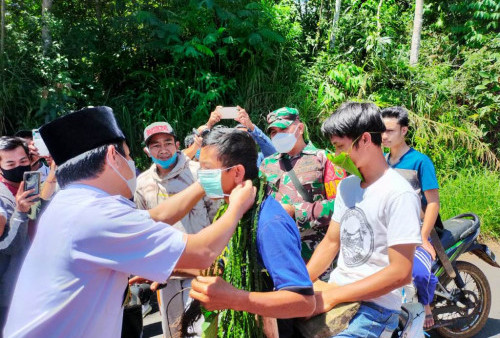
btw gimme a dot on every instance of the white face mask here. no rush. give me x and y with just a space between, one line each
284 142
131 183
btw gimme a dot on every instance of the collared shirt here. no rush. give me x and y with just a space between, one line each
73 279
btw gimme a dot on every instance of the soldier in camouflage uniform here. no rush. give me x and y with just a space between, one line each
316 174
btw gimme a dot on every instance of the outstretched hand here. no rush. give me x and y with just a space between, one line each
243 196
244 119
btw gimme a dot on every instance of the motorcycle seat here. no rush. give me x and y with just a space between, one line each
455 229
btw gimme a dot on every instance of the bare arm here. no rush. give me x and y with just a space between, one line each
215 294
177 206
430 216
325 252
393 276
203 247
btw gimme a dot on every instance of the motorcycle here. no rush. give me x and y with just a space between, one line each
462 299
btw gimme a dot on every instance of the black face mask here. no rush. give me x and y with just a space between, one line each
16 174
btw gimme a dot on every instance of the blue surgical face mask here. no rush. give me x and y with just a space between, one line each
165 164
210 180
197 156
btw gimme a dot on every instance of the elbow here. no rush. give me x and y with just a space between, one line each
403 279
206 259
309 306
304 308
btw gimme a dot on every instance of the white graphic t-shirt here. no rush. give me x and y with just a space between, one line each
385 214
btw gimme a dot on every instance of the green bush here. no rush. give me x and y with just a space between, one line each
476 191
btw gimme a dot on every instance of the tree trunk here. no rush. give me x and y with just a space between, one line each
46 38
336 16
417 31
379 25
2 30
98 12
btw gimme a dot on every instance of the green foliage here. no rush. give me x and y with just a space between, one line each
472 190
176 60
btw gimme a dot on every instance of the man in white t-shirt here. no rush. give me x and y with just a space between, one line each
91 237
375 226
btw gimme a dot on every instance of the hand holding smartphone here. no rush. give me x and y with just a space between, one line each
32 181
229 112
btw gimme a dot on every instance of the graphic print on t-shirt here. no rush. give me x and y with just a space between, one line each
356 237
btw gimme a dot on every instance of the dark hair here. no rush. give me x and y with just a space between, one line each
234 147
8 143
85 166
24 134
352 119
399 113
188 141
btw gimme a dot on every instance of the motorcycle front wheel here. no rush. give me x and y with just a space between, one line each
467 316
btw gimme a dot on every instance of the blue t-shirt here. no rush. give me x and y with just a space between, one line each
279 246
422 166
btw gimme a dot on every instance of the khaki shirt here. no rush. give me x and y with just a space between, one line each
152 190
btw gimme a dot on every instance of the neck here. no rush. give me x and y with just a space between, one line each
299 146
164 172
398 151
375 168
14 184
109 182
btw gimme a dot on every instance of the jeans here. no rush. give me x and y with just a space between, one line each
372 320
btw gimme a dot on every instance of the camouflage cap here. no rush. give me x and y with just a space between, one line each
282 118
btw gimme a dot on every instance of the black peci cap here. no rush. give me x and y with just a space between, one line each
78 132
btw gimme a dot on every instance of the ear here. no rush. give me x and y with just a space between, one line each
177 145
301 128
366 138
146 151
239 175
112 156
404 130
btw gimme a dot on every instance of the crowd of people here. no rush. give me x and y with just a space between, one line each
85 255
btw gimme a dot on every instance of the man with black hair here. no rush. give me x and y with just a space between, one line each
91 237
227 158
37 162
375 226
14 208
418 169
171 172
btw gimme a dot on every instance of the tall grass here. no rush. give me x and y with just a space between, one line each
473 190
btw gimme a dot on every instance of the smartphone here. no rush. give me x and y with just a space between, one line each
39 144
229 112
32 181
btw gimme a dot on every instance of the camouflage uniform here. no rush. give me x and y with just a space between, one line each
317 175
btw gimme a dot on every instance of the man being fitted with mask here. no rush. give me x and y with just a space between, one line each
375 227
171 172
228 156
310 199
